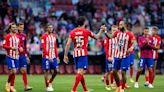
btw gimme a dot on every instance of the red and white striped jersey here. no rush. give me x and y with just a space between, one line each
134 38
123 43
49 46
156 42
9 42
79 37
109 47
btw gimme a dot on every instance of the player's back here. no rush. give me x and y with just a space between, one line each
79 37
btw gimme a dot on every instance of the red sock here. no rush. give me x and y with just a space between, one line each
77 80
138 75
12 80
46 82
131 72
83 83
111 78
24 77
119 83
150 77
123 85
107 81
147 78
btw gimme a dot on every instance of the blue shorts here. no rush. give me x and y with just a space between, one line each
131 59
48 65
22 61
108 66
12 63
81 62
121 63
149 62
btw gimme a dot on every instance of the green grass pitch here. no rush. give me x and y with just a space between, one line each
63 83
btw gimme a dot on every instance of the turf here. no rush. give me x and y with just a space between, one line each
63 83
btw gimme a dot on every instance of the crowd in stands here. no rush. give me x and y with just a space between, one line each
63 14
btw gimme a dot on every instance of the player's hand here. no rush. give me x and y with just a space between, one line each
13 48
110 59
21 49
130 49
58 60
103 28
28 60
66 59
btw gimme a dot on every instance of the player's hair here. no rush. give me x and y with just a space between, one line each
20 23
81 20
9 27
48 24
155 28
146 28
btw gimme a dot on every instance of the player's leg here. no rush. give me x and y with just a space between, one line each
54 71
81 63
23 69
12 66
146 76
131 67
141 64
155 66
150 64
46 69
106 76
124 68
116 75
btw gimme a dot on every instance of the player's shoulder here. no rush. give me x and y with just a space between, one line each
8 35
158 37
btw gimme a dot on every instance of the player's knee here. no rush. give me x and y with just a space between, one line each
13 71
23 70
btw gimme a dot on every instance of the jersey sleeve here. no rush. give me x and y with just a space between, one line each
106 47
43 42
90 33
159 41
115 33
6 43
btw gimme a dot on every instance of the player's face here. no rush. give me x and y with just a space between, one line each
154 32
114 29
121 25
21 28
13 28
146 31
50 28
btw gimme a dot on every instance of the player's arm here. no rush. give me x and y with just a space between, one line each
106 47
43 43
56 52
141 43
134 43
6 44
158 44
151 45
98 35
67 49
26 51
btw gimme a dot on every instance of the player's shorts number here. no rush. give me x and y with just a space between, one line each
79 41
13 64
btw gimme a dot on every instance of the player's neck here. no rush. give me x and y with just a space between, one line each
13 33
49 33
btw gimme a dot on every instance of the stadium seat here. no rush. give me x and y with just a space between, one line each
91 69
97 69
69 69
5 69
38 69
32 71
1 69
61 69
